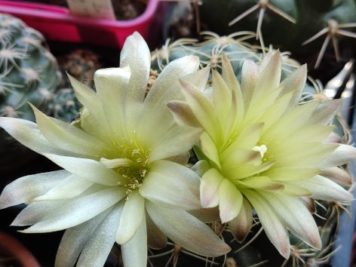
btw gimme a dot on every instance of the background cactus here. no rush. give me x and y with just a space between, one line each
319 33
289 24
28 73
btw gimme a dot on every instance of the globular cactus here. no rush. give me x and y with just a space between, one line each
211 49
81 64
28 71
28 74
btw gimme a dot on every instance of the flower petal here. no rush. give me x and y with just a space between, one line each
89 169
101 241
74 240
134 251
136 54
173 184
187 231
58 215
249 76
296 216
131 217
324 189
26 188
156 239
93 114
70 187
177 141
271 223
295 83
241 225
209 188
68 137
202 109
28 134
342 155
183 114
111 85
166 86
338 175
230 201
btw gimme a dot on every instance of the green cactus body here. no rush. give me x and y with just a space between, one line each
28 74
288 24
211 50
28 71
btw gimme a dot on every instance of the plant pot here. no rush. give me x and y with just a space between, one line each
15 252
57 24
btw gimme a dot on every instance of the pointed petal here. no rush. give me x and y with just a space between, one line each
26 188
28 134
241 225
221 94
324 189
131 217
206 215
269 77
177 141
202 109
296 216
183 114
173 184
89 169
74 240
156 239
136 54
249 76
93 113
338 175
295 83
111 85
166 86
187 231
342 155
209 149
209 188
230 201
199 78
67 136
134 252
272 225
261 182
326 112
100 241
58 215
70 187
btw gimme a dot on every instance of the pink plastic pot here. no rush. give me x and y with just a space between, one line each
56 23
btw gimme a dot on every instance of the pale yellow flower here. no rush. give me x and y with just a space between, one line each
122 180
263 151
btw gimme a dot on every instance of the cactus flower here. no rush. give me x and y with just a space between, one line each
122 179
261 150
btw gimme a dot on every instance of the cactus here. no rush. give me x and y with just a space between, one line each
211 49
306 28
81 64
28 73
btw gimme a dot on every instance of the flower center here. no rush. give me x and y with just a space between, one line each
131 163
262 149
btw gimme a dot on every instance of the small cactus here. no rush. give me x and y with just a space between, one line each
28 74
313 30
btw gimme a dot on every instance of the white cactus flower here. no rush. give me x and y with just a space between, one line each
122 180
262 150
